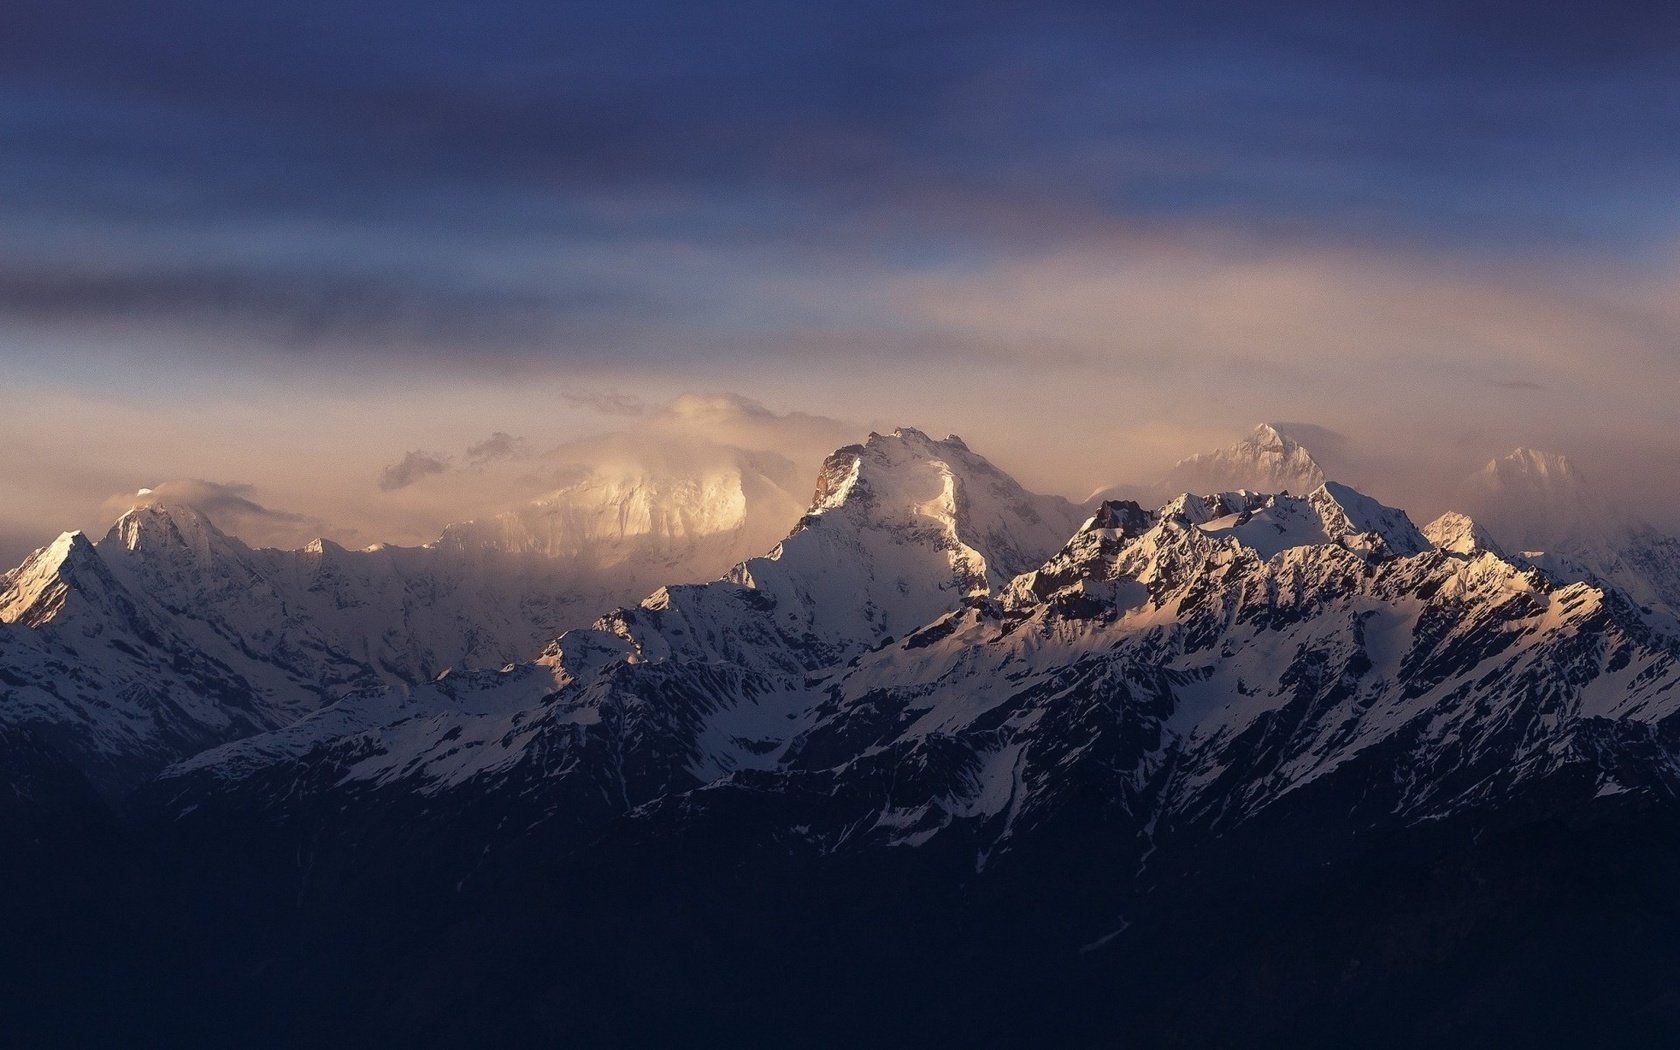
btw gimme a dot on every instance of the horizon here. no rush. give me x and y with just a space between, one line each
510 588
289 252
230 509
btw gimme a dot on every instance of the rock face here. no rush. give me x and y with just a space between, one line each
1060 773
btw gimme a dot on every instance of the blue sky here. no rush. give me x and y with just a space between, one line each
203 201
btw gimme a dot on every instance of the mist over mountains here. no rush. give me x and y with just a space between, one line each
487 557
663 748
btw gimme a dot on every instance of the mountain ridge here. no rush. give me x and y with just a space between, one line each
936 696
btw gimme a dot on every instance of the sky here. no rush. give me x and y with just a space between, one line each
309 255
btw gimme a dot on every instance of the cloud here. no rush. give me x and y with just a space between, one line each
1397 347
734 419
1518 384
1165 107
495 448
1334 452
694 435
606 404
287 309
694 169
410 469
699 431
1318 439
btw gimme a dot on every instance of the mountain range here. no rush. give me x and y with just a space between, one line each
1262 763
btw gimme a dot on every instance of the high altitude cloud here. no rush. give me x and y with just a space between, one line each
414 466
651 194
1401 352
1090 238
734 419
606 404
695 429
495 448
688 435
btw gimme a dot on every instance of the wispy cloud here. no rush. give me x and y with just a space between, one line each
606 404
414 466
494 449
689 435
660 188
1088 238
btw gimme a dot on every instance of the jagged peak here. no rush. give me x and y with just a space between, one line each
1531 472
159 514
914 436
1267 459
607 515
1268 433
1123 516
1268 523
68 545
156 527
1265 437
1532 499
33 592
1191 509
1356 515
1534 462
1457 533
65 550
323 546
1193 532
941 491
855 472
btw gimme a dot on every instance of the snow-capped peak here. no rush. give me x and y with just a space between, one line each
1331 514
907 479
1358 521
1533 462
1532 472
1539 503
154 526
1266 460
1458 533
644 516
36 590
1536 500
68 546
1192 535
